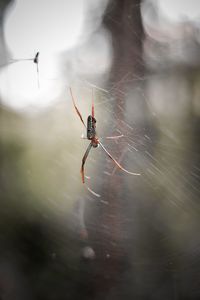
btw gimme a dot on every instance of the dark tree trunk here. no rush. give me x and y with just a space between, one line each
123 20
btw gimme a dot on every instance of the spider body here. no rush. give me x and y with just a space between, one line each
91 131
36 58
94 140
91 128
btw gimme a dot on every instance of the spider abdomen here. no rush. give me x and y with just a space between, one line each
91 127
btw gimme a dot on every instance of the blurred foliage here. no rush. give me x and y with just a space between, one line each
153 218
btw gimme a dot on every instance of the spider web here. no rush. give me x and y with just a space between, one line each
143 230
160 141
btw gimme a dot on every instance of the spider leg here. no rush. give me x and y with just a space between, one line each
77 111
38 75
113 137
24 59
84 160
92 192
92 103
116 162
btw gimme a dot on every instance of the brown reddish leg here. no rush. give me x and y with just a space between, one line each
116 162
76 108
84 160
92 104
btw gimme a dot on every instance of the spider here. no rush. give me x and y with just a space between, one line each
94 140
35 60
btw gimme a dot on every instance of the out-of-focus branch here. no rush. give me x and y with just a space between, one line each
123 20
